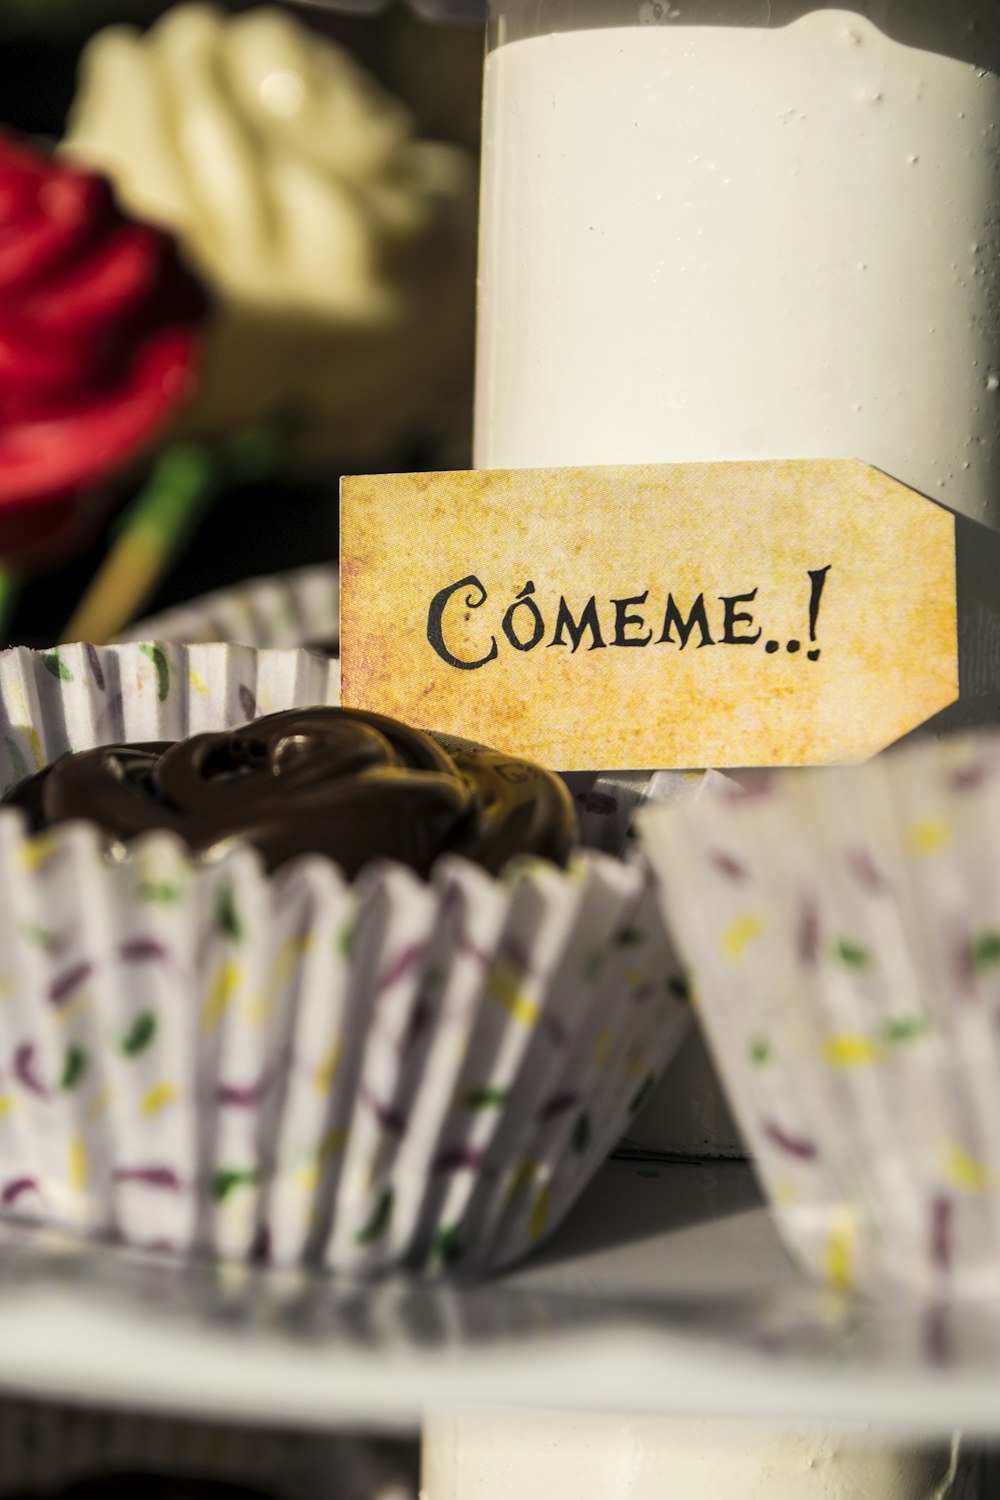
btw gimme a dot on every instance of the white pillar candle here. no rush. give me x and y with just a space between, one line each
499 1455
712 242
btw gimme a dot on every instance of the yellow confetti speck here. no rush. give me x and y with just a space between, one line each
288 957
503 987
602 1047
307 1178
539 1215
521 1180
226 983
197 683
6 989
739 935
851 1051
785 1193
928 837
37 852
98 1105
326 1071
332 1142
35 743
838 1254
258 1011
158 1097
635 979
78 1173
966 1173
7 1103
74 1008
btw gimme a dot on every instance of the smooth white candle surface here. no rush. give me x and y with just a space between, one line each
703 242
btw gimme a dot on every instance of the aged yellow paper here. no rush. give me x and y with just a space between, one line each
731 614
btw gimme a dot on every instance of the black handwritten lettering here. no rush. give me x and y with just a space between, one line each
734 617
673 619
435 622
623 620
588 621
524 601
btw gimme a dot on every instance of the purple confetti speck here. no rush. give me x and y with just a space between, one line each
60 989
248 703
457 1159
24 1070
969 778
399 967
790 1144
150 1176
142 950
16 1188
389 1119
96 670
727 865
465 945
808 935
243 1096
941 1225
866 872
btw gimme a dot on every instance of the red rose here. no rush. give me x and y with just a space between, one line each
98 324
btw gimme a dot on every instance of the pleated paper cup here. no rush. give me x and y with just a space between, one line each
841 929
281 610
200 1058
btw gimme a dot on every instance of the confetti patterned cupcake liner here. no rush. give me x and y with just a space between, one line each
842 934
283 610
199 1058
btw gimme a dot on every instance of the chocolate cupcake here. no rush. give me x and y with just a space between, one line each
256 1054
351 785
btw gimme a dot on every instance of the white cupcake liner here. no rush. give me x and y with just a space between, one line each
285 609
199 1058
842 931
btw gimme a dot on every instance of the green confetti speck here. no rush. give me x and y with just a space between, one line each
484 1098
642 1094
159 661
379 1221
345 941
448 1247
583 1132
227 918
74 1067
38 937
905 1028
679 987
852 954
986 951
226 1179
18 764
139 1034
159 891
629 937
761 1053
53 662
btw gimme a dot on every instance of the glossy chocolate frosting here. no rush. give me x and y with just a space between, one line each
352 785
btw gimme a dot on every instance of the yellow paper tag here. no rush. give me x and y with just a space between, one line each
730 614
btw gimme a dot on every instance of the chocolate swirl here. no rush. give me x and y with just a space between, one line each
354 786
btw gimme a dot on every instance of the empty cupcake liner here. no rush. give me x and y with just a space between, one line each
285 609
199 1058
842 933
